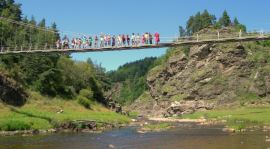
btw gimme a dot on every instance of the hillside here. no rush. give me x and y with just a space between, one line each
129 81
41 91
208 76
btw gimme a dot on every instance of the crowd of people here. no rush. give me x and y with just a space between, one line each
107 40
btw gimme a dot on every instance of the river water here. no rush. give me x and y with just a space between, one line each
127 138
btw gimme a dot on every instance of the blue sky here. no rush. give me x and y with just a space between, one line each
127 16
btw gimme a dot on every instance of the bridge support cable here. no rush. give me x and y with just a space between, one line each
15 38
2 37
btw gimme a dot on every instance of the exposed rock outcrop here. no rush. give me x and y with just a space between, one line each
11 92
208 76
187 107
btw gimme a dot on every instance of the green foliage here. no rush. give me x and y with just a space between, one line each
16 36
133 115
87 93
247 96
235 21
237 118
133 79
40 112
178 97
84 101
132 70
265 43
85 98
205 19
225 20
199 21
182 31
50 82
13 125
49 74
157 127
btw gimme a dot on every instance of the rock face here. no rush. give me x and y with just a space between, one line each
187 107
11 92
208 76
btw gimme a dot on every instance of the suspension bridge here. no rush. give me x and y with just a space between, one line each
165 42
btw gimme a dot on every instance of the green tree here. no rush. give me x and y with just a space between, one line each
225 19
182 31
50 82
132 77
199 22
235 21
207 19
190 24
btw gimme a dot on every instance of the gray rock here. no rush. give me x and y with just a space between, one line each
200 52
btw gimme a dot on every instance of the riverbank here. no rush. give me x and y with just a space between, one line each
233 119
238 118
45 114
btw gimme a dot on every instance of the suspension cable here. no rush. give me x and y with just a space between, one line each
15 38
2 35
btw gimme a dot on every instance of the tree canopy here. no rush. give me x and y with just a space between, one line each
204 20
49 74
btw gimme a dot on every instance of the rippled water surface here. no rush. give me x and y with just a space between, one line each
128 138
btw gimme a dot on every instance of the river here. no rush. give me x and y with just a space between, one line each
197 137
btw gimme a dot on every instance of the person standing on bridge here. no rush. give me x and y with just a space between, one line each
128 40
105 40
101 40
138 39
84 42
119 40
109 40
73 43
96 41
157 38
79 43
58 44
113 40
143 39
65 42
146 38
90 41
133 39
124 40
150 38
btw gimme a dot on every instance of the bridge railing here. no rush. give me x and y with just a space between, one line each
194 38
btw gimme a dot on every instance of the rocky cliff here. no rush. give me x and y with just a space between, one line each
208 76
11 92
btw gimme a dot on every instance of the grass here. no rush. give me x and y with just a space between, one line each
238 118
41 113
157 127
133 114
178 97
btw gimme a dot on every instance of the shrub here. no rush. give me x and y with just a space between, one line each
13 125
87 93
84 102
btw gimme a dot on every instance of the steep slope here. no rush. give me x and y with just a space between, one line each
207 76
129 81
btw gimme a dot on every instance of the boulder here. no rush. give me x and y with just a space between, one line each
200 52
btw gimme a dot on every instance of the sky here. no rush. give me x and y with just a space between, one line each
128 16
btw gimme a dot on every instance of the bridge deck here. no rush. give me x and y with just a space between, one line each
161 45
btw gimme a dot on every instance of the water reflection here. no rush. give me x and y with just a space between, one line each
128 138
